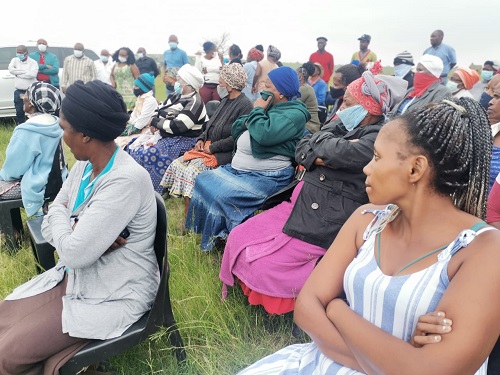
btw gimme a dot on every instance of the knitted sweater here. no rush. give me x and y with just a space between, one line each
106 293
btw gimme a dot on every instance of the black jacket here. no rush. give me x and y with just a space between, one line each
330 195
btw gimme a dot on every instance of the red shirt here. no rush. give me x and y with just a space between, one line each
493 209
326 61
41 76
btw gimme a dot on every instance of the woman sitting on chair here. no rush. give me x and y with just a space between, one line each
262 164
176 127
31 149
102 283
420 247
215 145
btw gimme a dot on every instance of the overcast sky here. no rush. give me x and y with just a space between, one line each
291 25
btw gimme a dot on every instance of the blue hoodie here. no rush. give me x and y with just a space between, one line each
29 157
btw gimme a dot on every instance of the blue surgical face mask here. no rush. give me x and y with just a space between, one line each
401 70
485 99
78 53
452 86
104 59
486 75
172 45
177 88
20 56
352 116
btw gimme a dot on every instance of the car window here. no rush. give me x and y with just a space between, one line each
6 55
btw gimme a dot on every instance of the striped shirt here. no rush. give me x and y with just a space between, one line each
78 69
182 115
392 303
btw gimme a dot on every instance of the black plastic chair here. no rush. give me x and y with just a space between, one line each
161 314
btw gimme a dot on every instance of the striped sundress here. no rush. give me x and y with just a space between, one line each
393 303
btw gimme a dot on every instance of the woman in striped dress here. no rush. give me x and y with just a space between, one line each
424 248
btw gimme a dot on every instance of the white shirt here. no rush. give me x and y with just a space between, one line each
104 70
212 66
24 71
144 109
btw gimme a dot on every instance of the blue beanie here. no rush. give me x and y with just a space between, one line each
286 81
146 82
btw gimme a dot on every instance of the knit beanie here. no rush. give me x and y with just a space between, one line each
404 57
146 82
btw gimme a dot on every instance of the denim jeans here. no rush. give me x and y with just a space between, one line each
18 103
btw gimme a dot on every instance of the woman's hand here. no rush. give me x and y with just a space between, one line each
430 327
262 103
319 161
206 149
119 242
199 146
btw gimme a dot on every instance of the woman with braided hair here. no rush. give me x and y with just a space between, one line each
421 249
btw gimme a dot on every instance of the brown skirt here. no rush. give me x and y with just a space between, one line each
31 338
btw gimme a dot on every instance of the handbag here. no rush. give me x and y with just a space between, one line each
10 189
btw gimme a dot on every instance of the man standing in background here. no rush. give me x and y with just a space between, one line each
364 55
173 57
78 67
324 58
445 52
104 66
146 64
24 69
48 64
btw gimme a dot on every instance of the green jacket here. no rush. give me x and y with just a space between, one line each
275 131
53 61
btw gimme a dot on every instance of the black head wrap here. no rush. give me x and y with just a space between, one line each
95 109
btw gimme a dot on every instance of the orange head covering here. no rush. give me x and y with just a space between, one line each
468 76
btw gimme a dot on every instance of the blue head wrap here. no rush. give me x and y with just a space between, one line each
286 81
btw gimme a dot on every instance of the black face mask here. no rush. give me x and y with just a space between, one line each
485 99
138 92
336 93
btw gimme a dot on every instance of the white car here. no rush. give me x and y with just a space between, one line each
7 80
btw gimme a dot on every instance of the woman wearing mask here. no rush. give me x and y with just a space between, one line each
426 88
273 253
461 81
214 147
253 58
342 77
262 163
308 97
403 67
123 75
209 65
174 129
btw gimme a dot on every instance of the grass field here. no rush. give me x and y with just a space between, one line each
221 337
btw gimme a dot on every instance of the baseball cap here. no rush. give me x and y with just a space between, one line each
366 37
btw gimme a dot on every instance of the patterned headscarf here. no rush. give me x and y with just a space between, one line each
234 75
255 54
371 93
273 52
44 97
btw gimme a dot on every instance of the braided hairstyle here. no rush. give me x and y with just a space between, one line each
456 137
307 69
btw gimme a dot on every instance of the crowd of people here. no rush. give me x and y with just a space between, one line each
357 175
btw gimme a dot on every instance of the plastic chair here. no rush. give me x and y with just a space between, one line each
161 314
42 250
10 220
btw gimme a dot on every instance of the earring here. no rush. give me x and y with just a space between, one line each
281 96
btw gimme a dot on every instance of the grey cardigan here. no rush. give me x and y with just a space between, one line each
106 293
435 93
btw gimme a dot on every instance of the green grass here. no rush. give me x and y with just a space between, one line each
221 337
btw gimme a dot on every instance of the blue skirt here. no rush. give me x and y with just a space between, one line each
157 158
225 197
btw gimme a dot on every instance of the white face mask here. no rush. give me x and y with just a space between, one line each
42 47
452 86
122 59
222 92
78 53
140 55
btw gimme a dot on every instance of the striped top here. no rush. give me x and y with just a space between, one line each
78 69
393 303
495 165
